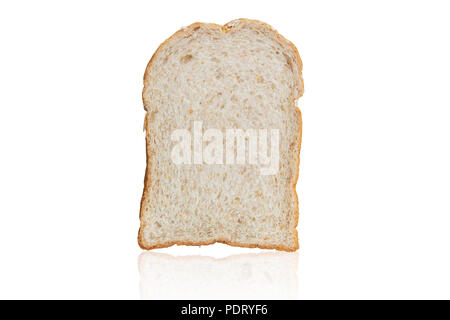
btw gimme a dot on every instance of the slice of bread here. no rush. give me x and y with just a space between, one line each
242 75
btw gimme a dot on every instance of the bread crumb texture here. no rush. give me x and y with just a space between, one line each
240 75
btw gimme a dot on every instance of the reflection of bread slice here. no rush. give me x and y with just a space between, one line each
243 75
268 275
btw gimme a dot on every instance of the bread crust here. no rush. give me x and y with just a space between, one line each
188 31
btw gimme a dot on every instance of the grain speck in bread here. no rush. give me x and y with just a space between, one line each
240 75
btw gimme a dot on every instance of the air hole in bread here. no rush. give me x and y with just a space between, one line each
288 61
187 58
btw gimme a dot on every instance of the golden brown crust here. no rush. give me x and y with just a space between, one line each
230 243
225 28
295 177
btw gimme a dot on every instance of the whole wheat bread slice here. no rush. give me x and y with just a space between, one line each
242 75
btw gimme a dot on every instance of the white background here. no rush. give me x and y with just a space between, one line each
374 175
